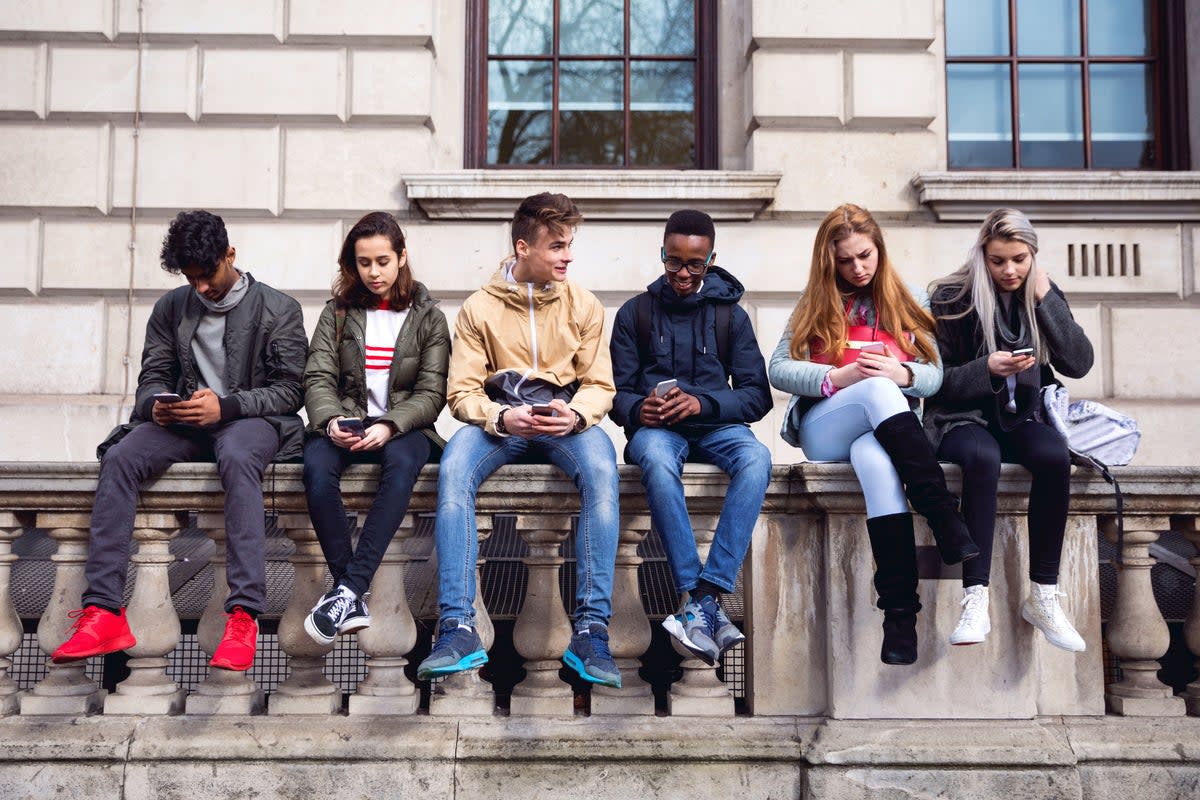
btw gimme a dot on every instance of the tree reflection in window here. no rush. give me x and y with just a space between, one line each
592 82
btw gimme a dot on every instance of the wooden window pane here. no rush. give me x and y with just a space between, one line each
591 112
662 116
980 124
1051 115
520 95
977 28
591 27
1118 28
1122 116
1048 28
520 27
662 27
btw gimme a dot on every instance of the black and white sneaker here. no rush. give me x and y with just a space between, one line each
326 618
357 618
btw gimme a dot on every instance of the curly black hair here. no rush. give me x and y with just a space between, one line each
195 239
690 222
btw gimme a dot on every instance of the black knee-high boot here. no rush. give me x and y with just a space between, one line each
925 485
895 550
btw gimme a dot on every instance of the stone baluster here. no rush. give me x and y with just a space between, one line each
223 691
1190 527
306 690
699 693
467 693
542 631
152 617
65 689
392 635
1137 633
11 526
629 628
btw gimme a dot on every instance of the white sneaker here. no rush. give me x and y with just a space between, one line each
1043 612
974 625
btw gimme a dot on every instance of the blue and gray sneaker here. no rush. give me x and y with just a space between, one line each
588 654
695 628
727 633
457 648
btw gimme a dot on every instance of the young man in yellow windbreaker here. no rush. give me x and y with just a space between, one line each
530 374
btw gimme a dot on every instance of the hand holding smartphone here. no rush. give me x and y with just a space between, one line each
543 410
352 426
1024 351
167 398
662 387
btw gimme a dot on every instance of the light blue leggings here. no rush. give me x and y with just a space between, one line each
842 428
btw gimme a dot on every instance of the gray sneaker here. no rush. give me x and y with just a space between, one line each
457 648
727 633
694 627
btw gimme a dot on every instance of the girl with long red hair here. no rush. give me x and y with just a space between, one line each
857 355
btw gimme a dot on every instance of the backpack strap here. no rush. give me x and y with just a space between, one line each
641 317
1085 460
724 326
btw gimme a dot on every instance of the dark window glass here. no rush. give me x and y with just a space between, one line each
1080 85
610 83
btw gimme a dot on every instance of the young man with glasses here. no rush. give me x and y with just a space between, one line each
530 376
688 329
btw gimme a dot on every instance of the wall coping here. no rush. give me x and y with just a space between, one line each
483 194
1062 195
538 488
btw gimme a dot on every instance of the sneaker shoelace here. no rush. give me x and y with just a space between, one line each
241 625
710 617
84 617
972 609
341 605
600 645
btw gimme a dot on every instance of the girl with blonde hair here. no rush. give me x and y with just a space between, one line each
1001 325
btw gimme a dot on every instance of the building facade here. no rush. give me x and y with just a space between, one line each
292 118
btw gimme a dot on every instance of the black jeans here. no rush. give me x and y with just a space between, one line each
401 459
242 449
1041 450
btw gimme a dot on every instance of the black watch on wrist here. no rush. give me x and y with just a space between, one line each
500 422
580 422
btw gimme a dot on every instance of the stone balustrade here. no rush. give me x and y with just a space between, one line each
1011 717
813 631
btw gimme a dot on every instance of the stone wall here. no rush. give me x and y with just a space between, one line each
291 119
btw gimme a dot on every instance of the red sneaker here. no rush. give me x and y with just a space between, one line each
236 650
97 632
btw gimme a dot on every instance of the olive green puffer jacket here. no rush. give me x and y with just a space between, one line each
335 382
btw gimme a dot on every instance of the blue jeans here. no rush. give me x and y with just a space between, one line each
471 456
401 459
660 454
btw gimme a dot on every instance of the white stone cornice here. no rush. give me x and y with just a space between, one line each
600 194
1074 196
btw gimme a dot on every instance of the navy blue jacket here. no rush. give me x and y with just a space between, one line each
683 345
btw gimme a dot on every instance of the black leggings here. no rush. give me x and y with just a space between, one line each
1041 450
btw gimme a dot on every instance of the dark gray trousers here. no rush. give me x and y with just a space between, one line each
242 449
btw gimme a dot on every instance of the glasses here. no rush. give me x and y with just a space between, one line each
693 267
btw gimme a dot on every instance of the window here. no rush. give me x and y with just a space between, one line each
591 83
1064 84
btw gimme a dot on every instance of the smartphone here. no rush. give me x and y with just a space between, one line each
1024 351
352 426
543 410
168 397
874 347
662 387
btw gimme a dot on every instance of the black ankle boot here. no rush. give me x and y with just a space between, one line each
899 636
895 550
925 485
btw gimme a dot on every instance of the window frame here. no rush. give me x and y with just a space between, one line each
1167 39
475 142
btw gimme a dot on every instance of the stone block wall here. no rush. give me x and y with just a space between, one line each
291 118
